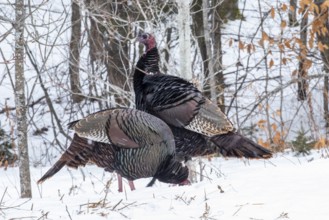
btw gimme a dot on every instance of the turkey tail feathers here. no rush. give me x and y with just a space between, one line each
76 155
52 171
235 145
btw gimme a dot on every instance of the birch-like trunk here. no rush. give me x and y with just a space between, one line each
24 168
211 77
184 39
185 57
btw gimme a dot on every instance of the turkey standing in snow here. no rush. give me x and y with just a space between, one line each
132 143
190 115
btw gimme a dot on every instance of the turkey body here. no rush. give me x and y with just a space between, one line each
130 142
199 126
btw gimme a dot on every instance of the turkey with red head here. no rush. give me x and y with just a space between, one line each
192 117
129 142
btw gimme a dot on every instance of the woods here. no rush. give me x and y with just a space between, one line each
264 63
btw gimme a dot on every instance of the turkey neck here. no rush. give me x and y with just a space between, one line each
151 60
138 83
147 63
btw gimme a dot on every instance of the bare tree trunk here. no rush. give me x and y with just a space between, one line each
302 70
75 54
185 58
293 13
108 17
323 38
118 51
211 77
325 97
24 167
198 31
217 56
211 48
184 39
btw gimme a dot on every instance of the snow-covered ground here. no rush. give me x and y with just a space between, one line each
284 187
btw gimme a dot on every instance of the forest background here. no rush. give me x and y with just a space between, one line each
265 63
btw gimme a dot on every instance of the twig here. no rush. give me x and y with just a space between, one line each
205 195
283 215
68 212
107 188
48 100
6 109
44 215
7 68
116 205
7 20
239 209
186 200
220 189
12 207
29 217
3 195
91 204
123 215
129 204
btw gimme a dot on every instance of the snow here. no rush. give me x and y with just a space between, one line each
285 186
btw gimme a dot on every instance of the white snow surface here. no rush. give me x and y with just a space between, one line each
284 187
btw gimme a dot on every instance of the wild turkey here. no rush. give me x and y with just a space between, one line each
190 115
130 142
